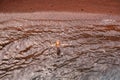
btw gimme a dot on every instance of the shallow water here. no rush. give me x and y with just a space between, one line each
90 48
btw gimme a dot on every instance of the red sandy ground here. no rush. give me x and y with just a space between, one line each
92 6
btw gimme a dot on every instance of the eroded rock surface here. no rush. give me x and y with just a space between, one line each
91 50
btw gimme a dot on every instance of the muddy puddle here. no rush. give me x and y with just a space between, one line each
89 48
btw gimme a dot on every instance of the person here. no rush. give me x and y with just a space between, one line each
57 44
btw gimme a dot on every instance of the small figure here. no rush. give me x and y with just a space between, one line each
57 44
58 51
